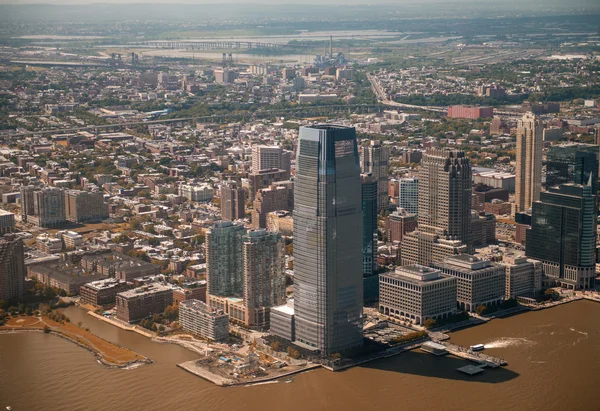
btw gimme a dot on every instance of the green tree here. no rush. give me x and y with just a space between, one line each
429 323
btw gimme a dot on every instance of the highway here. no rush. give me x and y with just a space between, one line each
383 99
208 119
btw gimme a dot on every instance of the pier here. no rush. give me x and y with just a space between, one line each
480 358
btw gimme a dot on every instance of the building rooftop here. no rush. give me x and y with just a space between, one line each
287 308
466 261
199 306
104 284
145 290
416 274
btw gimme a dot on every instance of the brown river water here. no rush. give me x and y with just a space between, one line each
553 364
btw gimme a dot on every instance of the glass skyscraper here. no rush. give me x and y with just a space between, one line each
563 234
369 207
572 163
328 228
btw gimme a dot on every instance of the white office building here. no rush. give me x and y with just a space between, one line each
416 293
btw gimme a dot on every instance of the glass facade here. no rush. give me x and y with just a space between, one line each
369 207
328 232
572 163
563 232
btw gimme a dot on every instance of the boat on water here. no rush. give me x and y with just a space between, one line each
477 347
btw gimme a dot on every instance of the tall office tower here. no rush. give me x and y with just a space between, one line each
268 157
374 160
369 207
12 268
264 275
445 193
408 194
224 269
85 206
572 163
529 161
328 285
232 202
563 234
444 208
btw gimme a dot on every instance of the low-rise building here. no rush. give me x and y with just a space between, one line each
480 282
102 293
190 291
55 275
199 193
70 239
282 321
199 319
416 293
134 305
523 276
117 265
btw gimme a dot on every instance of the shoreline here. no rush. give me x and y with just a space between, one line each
99 356
219 381
120 325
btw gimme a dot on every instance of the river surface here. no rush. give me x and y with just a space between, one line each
552 355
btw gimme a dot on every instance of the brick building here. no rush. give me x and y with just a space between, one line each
134 305
85 206
102 293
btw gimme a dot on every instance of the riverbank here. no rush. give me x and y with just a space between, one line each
107 353
124 326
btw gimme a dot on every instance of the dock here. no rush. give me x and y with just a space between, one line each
471 369
467 354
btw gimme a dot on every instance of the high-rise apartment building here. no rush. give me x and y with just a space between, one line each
232 202
268 157
529 161
12 268
369 207
444 208
408 194
572 163
328 285
224 267
264 275
44 207
85 206
563 234
374 160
